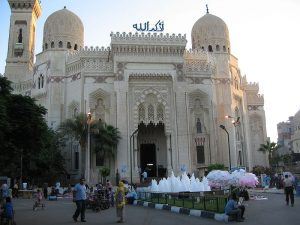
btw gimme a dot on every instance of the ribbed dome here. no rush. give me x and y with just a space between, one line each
63 30
212 31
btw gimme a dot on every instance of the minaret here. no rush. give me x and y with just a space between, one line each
20 54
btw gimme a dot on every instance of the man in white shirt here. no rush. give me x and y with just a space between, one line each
288 189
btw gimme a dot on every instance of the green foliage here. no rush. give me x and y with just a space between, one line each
215 166
104 171
76 128
24 133
257 170
105 139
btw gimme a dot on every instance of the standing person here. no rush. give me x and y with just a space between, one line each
117 177
80 198
288 189
45 190
5 191
120 202
16 190
9 210
145 175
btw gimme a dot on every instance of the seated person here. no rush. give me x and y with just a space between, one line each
233 209
131 196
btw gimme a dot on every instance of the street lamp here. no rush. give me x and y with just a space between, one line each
234 121
131 150
87 160
224 128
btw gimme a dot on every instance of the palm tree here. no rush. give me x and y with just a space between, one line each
270 148
106 138
76 128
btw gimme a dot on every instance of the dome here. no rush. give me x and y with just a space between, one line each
63 30
210 33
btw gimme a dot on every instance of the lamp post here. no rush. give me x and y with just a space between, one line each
131 150
224 128
88 154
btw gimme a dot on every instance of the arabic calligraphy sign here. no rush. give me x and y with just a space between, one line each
158 27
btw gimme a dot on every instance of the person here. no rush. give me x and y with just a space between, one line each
288 189
233 209
5 191
80 198
120 202
108 184
145 175
16 190
8 210
45 190
117 177
39 196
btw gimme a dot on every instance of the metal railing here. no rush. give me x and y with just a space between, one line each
191 200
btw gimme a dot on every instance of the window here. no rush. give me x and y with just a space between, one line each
210 49
218 48
99 159
42 81
76 167
240 158
75 47
52 44
160 113
46 46
199 126
60 44
141 113
224 48
69 45
150 113
202 48
200 154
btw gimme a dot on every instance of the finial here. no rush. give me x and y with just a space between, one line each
207 11
65 7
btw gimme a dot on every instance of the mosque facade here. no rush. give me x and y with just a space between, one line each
176 109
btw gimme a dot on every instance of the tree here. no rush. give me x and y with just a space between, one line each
106 139
270 148
24 135
76 128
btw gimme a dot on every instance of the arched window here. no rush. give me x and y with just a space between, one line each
228 50
203 48
210 49
39 83
141 113
60 44
160 113
46 46
75 47
224 48
20 37
42 82
150 113
69 45
217 48
199 126
52 44
75 112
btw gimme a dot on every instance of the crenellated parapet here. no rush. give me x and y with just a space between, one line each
148 38
253 97
148 44
26 5
89 59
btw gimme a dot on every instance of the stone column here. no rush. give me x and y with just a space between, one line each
169 154
135 154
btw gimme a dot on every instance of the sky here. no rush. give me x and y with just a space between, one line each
264 36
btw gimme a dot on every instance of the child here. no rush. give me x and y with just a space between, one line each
39 196
8 211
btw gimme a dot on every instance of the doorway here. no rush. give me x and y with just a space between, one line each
148 159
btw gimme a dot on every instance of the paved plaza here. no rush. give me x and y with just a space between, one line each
259 212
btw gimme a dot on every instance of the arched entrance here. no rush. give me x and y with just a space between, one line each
152 149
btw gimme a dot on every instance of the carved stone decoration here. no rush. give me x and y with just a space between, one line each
253 107
120 71
151 106
99 79
179 72
222 81
99 104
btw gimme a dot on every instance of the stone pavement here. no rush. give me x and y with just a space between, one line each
258 212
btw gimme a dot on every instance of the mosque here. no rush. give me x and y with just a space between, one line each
176 109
